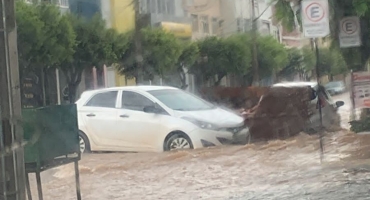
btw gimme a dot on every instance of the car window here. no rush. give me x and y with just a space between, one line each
105 100
135 101
180 100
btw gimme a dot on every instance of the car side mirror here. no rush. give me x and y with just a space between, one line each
152 108
339 104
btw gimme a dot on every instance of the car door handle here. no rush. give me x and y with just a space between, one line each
91 115
124 116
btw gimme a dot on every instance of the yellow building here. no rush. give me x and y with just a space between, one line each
122 18
120 15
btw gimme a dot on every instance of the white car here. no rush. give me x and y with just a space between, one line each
153 119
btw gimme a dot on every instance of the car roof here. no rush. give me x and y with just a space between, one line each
145 88
296 84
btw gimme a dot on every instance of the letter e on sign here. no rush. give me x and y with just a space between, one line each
315 12
349 35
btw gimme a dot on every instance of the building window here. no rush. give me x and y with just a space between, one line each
266 28
240 25
205 24
195 23
221 26
215 28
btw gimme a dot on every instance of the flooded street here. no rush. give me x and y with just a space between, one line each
287 169
345 110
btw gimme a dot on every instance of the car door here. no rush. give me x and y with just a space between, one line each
100 118
139 130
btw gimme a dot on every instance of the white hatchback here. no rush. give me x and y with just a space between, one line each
153 119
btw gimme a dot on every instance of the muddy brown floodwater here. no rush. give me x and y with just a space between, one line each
288 169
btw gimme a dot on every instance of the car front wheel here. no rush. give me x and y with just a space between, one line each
178 141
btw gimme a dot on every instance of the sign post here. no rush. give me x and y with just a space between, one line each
315 22
349 35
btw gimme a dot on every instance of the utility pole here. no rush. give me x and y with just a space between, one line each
138 44
11 137
256 76
320 95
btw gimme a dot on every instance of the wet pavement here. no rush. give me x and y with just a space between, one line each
345 110
288 169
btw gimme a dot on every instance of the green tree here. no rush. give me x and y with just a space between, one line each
222 56
45 36
45 40
331 63
161 51
294 65
272 56
30 31
95 46
188 57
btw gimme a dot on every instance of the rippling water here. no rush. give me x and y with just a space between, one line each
288 169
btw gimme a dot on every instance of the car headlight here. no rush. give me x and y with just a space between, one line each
201 124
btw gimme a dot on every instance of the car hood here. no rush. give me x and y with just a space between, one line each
220 117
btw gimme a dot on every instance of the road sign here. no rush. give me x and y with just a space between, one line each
361 89
315 18
350 32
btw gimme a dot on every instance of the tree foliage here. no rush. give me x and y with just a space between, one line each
219 57
189 55
161 51
272 55
331 62
294 65
233 55
45 37
95 46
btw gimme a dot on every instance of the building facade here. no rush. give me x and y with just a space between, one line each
119 15
171 16
224 17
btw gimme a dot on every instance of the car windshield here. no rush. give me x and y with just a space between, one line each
334 84
180 100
